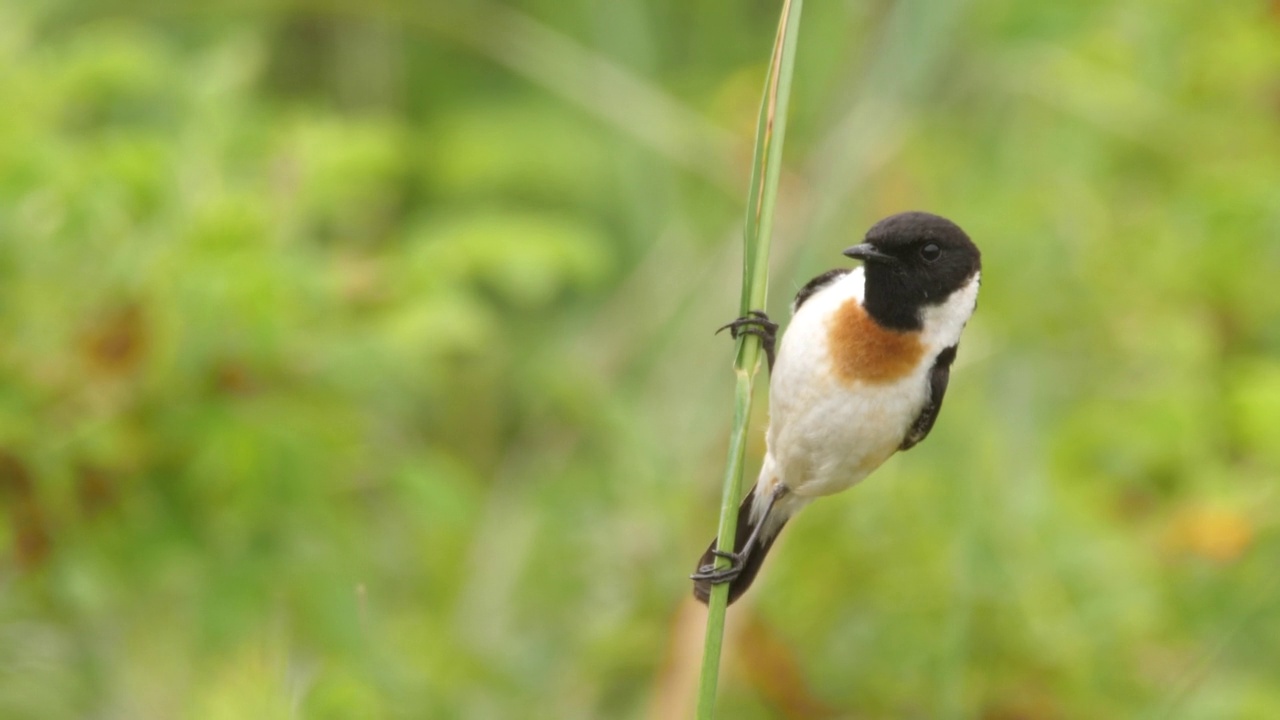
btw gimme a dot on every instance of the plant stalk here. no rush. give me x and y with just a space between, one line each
757 233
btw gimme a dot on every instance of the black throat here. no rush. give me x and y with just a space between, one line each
893 300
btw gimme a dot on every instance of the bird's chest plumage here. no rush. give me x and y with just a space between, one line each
844 392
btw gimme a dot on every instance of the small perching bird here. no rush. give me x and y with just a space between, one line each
860 375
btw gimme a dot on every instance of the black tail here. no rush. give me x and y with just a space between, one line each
739 585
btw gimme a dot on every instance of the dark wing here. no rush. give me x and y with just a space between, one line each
815 285
754 559
939 375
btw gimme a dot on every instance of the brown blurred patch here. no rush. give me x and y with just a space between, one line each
234 377
1026 696
95 489
1022 706
751 647
1215 533
773 668
1135 502
32 541
675 688
360 280
116 342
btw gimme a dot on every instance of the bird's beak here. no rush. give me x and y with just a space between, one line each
867 252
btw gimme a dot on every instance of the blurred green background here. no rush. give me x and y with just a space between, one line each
356 359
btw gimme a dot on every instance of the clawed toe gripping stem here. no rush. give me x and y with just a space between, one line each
721 575
757 323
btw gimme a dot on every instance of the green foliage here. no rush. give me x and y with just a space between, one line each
350 366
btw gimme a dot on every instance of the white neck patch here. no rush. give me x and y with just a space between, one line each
943 323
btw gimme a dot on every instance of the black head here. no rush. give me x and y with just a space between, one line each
913 260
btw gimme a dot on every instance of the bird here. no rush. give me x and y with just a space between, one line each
860 375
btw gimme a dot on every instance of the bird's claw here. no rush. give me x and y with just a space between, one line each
757 323
715 575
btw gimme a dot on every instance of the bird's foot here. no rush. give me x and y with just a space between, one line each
715 575
757 323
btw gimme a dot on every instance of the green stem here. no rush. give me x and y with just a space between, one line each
761 200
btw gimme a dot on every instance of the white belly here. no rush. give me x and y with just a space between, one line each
826 434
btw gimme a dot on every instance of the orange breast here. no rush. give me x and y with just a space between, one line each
862 351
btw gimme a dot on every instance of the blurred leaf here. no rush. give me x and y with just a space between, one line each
525 260
519 149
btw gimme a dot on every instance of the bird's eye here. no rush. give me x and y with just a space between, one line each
930 252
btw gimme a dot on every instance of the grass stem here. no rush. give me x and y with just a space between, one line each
761 199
